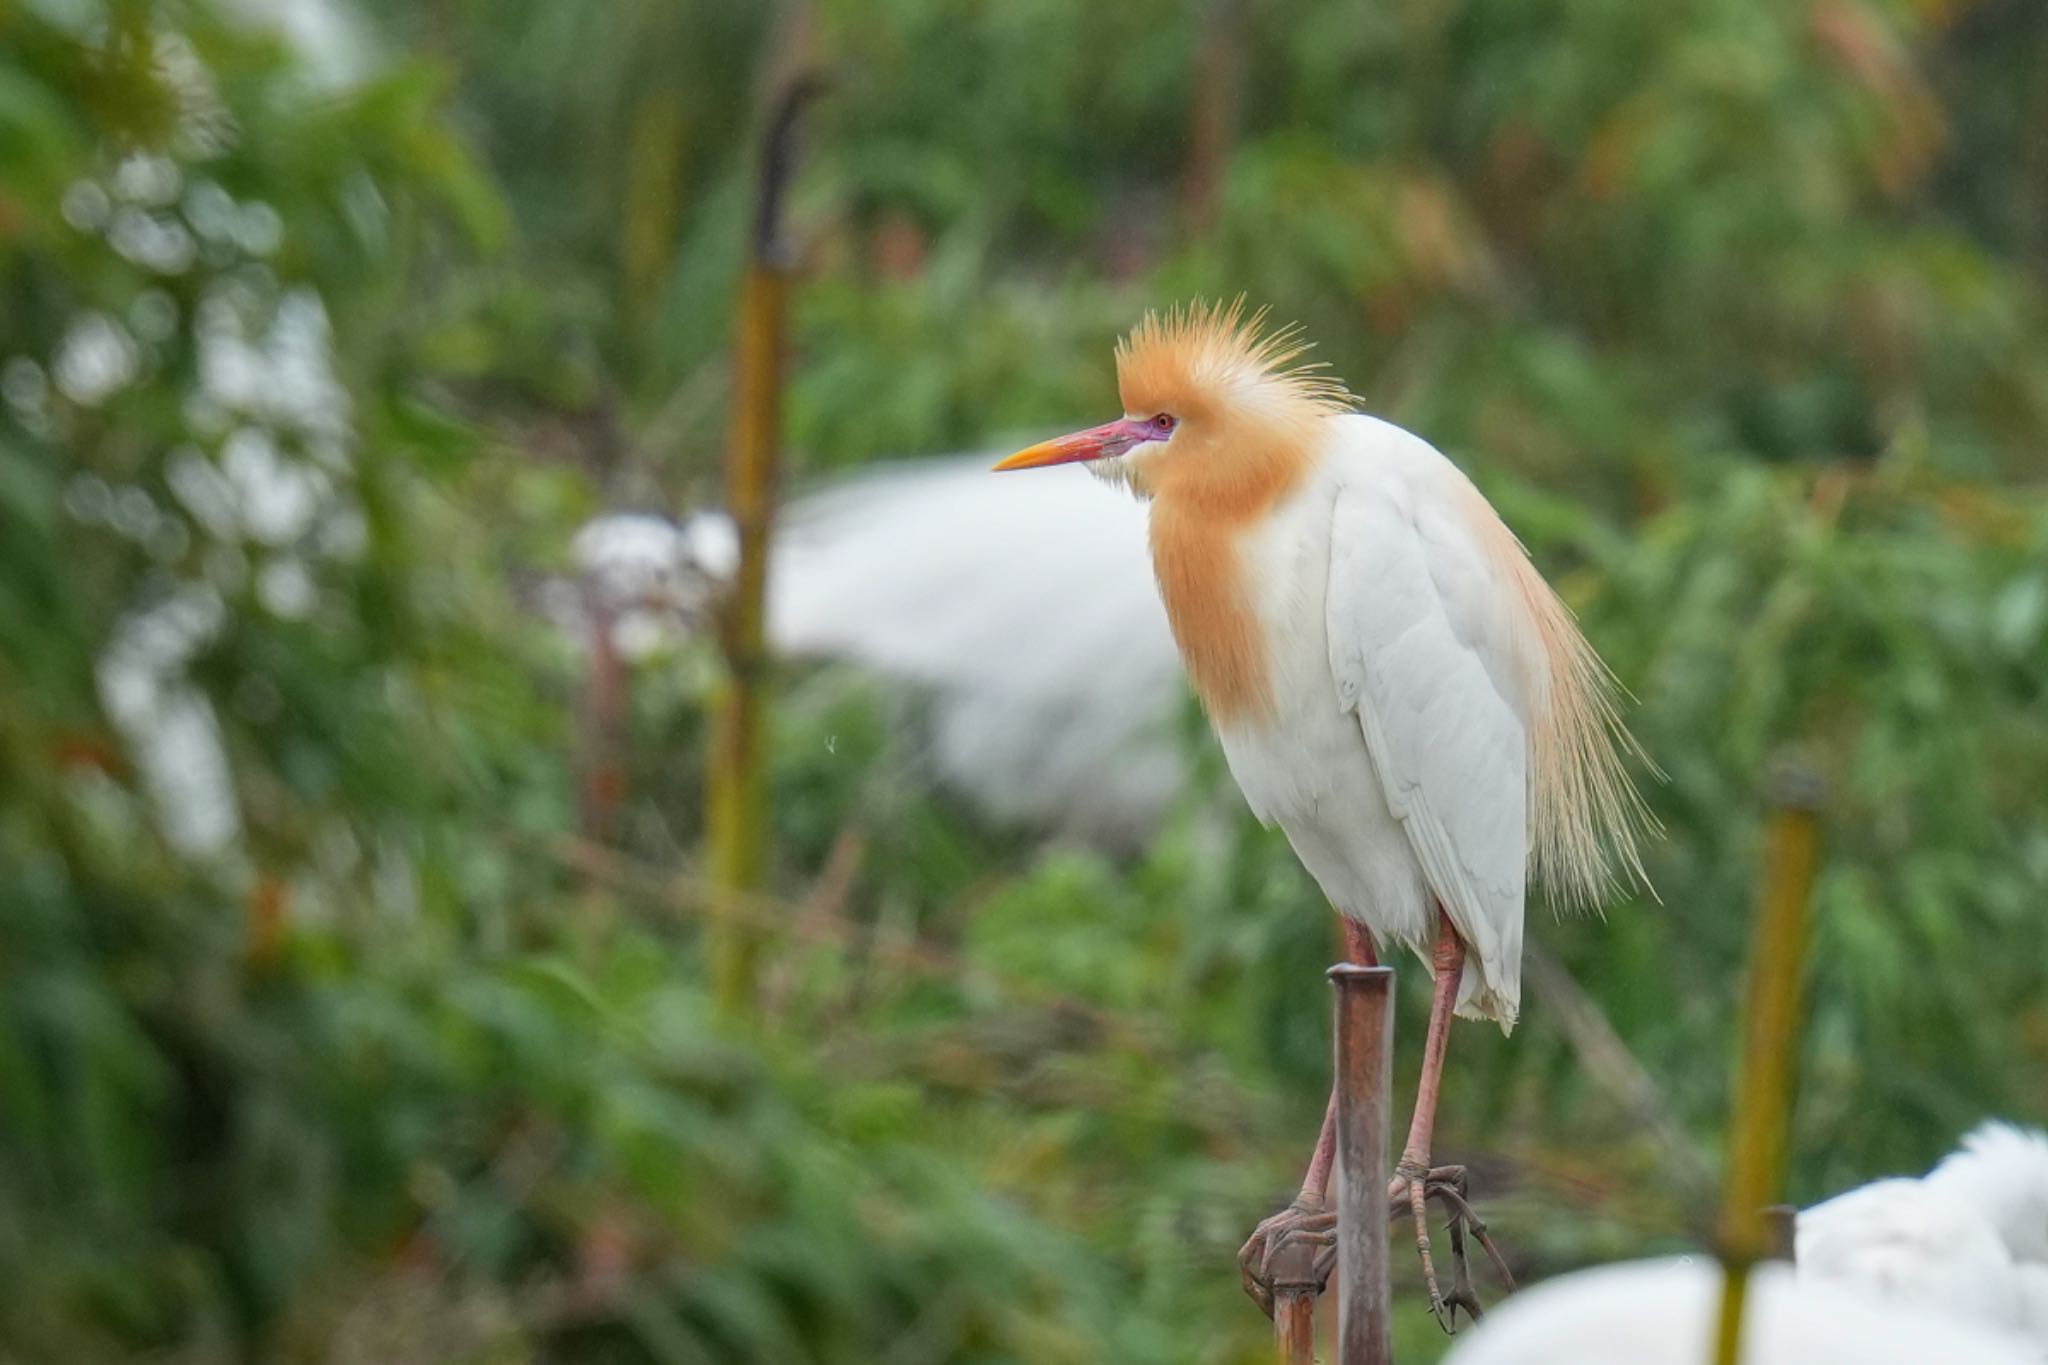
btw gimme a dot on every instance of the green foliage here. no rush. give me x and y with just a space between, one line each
306 374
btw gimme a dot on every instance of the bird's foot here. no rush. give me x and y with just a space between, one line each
1296 1246
1414 1185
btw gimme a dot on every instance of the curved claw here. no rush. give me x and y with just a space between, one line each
1463 1213
1297 1247
1251 1262
1301 1239
1462 1294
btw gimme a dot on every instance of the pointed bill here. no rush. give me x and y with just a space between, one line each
1096 443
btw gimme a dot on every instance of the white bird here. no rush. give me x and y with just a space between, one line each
1031 621
1663 1312
1969 1238
1391 681
924 572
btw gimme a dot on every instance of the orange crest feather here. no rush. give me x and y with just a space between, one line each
1200 355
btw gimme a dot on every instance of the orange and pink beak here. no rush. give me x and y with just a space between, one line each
1096 443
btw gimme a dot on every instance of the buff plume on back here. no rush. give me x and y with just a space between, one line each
1587 813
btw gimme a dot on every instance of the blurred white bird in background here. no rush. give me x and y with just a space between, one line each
930 573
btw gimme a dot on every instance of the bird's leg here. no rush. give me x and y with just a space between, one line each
1413 1170
1310 1217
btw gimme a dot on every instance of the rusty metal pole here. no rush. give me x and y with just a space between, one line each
1771 1010
1781 1230
1365 1067
1293 1269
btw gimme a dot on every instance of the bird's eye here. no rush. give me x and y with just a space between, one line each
1162 423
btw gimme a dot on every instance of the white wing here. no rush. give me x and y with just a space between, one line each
1425 653
1969 1238
1903 1241
1026 606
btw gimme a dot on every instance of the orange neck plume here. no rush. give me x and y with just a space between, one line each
1249 429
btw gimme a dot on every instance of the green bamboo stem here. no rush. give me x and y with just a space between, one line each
736 785
1771 1009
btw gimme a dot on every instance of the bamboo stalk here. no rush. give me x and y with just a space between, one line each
1771 1007
1212 111
736 807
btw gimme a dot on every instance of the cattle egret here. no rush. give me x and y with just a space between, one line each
1969 1238
1663 1313
1391 681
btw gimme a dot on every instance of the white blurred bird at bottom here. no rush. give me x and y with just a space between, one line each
1662 1312
1949 1267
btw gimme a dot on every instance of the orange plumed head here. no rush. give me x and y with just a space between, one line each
1220 422
1216 410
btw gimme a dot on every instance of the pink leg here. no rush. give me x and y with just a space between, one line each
1309 1214
1413 1170
1449 964
1358 944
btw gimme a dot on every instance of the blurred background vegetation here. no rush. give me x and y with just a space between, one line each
331 1031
